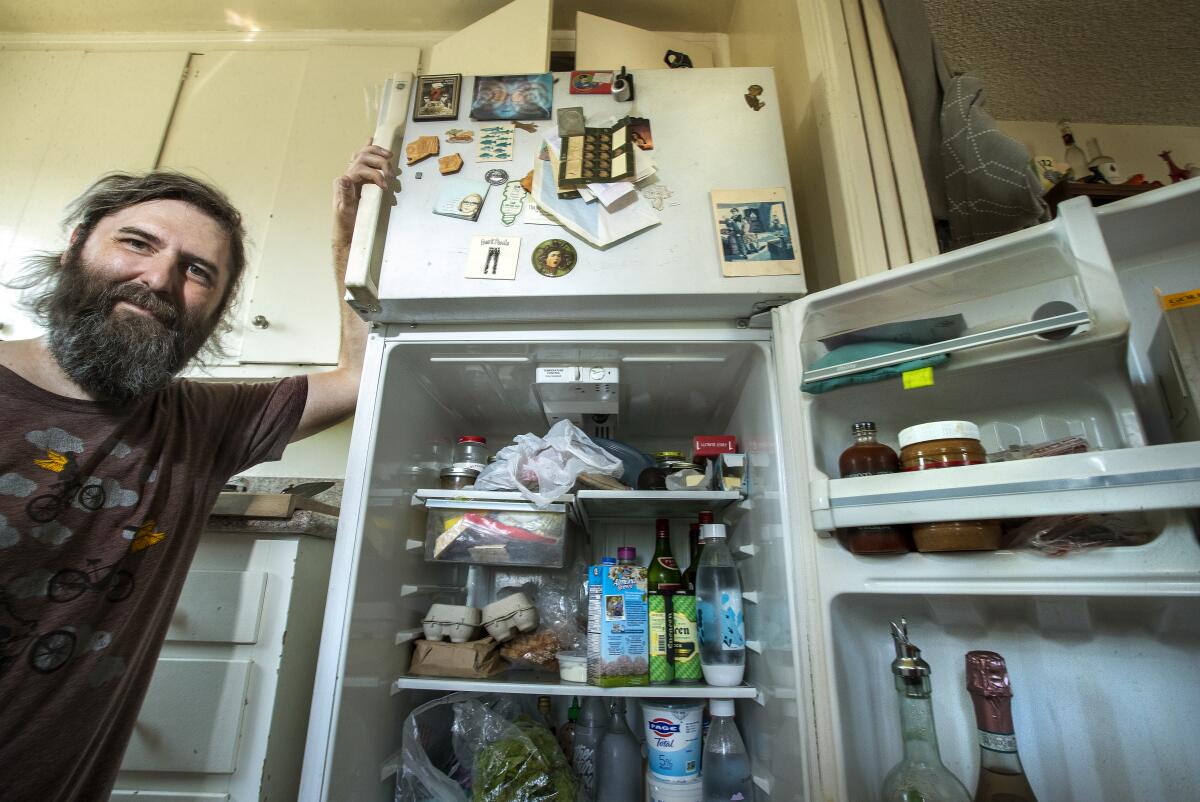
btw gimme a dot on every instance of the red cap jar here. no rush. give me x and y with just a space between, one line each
947 444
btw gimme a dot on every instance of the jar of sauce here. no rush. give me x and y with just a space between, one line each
947 444
457 479
869 457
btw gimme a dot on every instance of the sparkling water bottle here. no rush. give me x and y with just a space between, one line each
618 761
589 731
719 609
725 765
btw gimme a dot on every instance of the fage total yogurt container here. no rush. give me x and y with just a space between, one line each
673 739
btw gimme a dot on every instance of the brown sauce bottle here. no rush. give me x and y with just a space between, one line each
869 457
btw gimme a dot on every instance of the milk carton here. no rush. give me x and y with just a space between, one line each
618 626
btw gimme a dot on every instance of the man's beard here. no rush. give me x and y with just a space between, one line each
119 357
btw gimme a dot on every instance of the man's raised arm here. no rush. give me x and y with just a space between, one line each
333 395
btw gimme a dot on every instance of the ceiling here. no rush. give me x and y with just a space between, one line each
1106 61
84 16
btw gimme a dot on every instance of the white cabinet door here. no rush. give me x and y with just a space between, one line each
294 289
274 129
512 40
233 117
76 115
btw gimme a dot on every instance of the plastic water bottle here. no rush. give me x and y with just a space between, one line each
589 731
619 760
719 609
726 774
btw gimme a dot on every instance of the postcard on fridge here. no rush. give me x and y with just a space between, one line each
493 257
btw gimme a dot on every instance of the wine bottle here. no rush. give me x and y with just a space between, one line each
1001 777
664 574
920 774
689 576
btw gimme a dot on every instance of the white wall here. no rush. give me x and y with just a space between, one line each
1134 147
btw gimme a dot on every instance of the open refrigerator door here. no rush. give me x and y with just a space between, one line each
1101 643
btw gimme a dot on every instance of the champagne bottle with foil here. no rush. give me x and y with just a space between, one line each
920 775
1001 777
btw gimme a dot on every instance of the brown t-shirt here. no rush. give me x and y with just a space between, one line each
100 514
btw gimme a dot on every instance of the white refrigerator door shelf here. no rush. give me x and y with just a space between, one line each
1147 478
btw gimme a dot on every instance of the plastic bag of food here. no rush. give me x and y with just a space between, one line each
481 748
1057 535
533 651
544 469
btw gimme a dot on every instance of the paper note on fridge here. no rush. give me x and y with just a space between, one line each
591 221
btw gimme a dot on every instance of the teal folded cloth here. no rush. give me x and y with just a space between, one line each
857 351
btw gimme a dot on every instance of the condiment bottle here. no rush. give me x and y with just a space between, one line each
947 444
869 457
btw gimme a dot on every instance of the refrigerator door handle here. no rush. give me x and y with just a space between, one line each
362 269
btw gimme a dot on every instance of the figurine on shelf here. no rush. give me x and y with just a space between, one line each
1176 173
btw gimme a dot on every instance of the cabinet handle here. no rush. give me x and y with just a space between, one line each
260 322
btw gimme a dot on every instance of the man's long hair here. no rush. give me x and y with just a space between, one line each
112 193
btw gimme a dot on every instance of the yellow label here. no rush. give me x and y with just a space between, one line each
1179 300
921 377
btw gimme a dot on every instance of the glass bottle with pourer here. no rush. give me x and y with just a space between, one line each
920 775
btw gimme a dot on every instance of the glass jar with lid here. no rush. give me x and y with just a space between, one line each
947 444
665 462
470 454
869 457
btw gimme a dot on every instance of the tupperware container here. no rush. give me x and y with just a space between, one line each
495 533
454 621
572 666
505 618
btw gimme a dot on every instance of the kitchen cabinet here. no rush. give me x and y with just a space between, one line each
225 713
71 116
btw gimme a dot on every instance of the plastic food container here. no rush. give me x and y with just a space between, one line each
512 614
457 479
572 667
495 533
471 454
456 622
947 444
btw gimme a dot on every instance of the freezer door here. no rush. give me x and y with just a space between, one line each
704 137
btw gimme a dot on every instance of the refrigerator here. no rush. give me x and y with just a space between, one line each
1103 645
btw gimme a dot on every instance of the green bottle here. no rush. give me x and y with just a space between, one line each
689 576
664 573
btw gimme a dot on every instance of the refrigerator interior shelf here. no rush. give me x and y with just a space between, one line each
1159 477
545 685
487 496
974 340
619 504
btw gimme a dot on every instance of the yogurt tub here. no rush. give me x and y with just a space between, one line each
572 667
672 730
659 791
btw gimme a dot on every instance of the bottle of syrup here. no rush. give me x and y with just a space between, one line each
869 457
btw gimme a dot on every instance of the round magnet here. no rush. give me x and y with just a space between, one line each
496 177
554 258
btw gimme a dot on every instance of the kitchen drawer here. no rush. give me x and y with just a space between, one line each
219 607
191 720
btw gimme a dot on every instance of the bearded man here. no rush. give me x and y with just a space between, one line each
109 464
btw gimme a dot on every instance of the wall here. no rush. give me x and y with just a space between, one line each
1134 147
766 33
